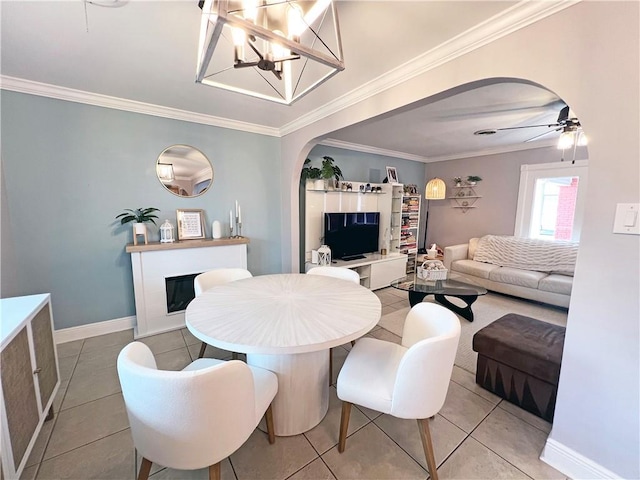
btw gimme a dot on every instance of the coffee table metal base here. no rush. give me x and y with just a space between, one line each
465 312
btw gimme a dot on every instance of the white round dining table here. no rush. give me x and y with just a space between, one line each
287 323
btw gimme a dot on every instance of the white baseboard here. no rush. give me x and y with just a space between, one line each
94 329
572 464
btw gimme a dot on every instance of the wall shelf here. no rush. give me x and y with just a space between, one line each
464 197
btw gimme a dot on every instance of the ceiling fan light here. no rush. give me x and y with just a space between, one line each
435 189
582 139
566 140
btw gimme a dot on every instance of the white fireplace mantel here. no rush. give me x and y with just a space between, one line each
153 263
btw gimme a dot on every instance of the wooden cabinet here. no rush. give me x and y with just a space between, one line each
29 376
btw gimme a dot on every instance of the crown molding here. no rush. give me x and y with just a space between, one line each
510 20
78 96
330 142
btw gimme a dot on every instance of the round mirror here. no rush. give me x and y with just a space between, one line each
184 171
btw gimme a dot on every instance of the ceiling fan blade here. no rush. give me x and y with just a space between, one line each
549 125
543 134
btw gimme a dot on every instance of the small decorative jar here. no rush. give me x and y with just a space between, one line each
166 232
324 256
216 230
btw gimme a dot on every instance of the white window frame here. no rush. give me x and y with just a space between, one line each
529 175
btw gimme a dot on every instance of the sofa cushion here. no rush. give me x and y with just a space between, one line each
473 244
471 267
528 253
515 276
556 283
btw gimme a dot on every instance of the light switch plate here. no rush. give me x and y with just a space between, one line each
627 219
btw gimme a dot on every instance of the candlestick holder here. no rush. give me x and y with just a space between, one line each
231 230
239 229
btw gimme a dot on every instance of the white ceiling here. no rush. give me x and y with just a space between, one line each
145 51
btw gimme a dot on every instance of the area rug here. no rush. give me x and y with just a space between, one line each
486 309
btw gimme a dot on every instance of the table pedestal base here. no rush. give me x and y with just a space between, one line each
302 400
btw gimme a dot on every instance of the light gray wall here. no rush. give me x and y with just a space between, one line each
496 210
595 429
69 169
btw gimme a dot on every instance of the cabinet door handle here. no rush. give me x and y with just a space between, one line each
37 370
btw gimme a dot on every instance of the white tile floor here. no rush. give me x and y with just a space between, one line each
476 434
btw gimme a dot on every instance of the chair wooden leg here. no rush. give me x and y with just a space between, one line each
427 445
344 425
269 417
203 347
330 365
145 469
214 471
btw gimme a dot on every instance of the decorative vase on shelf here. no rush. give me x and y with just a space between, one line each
216 229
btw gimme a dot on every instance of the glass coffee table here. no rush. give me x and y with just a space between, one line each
454 286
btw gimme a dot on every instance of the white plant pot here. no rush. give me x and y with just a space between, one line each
329 184
318 184
139 228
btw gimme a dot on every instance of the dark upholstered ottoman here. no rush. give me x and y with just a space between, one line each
519 359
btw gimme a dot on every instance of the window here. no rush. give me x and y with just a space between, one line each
551 201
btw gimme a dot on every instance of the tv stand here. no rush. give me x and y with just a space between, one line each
348 258
375 270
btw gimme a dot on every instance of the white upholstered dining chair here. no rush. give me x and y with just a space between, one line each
210 279
343 274
409 380
193 418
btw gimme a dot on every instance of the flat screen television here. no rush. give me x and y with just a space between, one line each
351 234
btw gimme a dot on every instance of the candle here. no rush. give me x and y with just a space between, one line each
236 208
239 214
230 218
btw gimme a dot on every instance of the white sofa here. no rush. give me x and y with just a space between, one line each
538 270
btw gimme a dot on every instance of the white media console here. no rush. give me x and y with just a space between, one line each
375 270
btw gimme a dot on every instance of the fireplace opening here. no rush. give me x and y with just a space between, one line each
180 292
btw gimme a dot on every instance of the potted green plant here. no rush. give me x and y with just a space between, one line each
310 174
139 216
473 179
330 172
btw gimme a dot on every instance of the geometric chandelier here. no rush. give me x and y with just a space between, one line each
278 50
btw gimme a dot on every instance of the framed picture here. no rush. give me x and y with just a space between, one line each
392 175
190 224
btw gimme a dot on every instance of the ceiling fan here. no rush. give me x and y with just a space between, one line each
567 123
